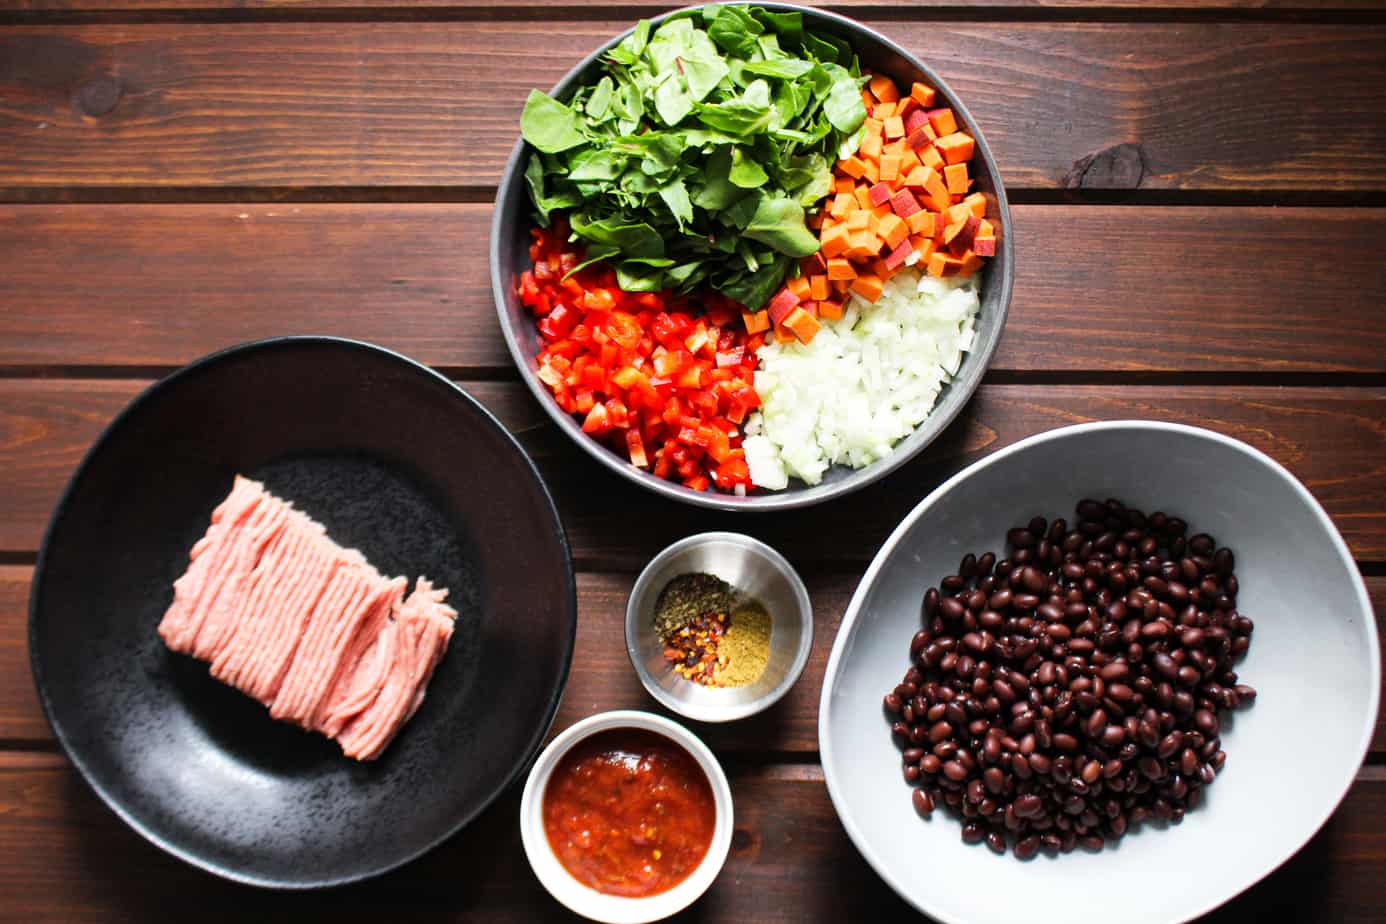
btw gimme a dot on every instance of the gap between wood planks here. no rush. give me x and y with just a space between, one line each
465 194
1056 377
1144 13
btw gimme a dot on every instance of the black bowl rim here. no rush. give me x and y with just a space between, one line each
154 837
977 361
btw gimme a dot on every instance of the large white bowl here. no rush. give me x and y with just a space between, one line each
1290 757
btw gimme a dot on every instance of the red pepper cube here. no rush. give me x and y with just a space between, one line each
904 203
984 246
880 194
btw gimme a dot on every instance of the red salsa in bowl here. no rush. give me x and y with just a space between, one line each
629 812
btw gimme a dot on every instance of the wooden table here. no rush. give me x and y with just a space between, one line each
1198 193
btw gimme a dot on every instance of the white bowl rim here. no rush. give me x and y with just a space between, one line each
716 713
849 620
584 900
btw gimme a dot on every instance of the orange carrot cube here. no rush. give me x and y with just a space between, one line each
894 229
943 121
955 175
956 148
884 89
818 287
890 167
923 94
894 127
834 243
868 287
839 268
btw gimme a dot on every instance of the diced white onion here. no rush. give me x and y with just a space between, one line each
863 384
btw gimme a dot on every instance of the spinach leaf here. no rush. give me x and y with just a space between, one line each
675 195
745 172
549 125
843 105
779 223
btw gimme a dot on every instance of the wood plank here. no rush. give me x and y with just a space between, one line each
1334 439
601 678
1189 106
990 7
70 859
161 284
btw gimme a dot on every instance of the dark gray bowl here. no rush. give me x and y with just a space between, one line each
512 219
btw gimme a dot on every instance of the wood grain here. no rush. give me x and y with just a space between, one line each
601 678
70 859
384 9
1334 439
157 285
1186 106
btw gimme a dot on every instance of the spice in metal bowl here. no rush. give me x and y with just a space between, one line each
711 635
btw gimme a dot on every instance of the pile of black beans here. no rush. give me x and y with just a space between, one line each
1062 695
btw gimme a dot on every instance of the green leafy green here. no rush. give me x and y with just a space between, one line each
690 159
549 125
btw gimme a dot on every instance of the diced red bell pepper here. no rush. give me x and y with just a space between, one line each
597 421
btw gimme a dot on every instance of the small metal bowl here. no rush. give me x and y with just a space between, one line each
754 569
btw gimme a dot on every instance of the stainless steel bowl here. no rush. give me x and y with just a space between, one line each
753 568
512 219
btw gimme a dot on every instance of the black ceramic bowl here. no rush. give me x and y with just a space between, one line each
513 217
396 461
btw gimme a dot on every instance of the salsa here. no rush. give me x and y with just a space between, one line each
629 812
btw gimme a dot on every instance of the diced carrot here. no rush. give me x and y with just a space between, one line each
844 185
756 321
956 147
799 285
868 287
884 89
959 212
839 268
865 244
867 98
818 287
986 230
937 263
894 229
890 167
895 127
955 175
881 211
978 203
873 222
811 308
883 111
897 147
943 121
874 127
925 246
923 94
843 203
984 246
971 262
784 334
880 193
804 325
968 235
898 255
908 161
921 222
829 309
953 230
936 191
904 203
813 265
863 194
853 167
871 146
828 222
834 243
879 268
873 171
843 286
858 220
918 176
783 302
918 140
931 157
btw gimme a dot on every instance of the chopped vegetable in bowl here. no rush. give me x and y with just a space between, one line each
722 191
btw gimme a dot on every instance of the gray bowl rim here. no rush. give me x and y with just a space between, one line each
975 363
888 549
743 710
